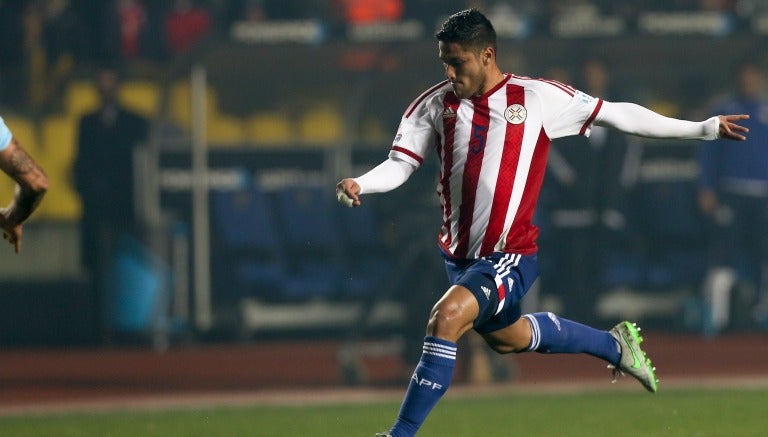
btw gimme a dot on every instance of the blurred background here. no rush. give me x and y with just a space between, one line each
193 148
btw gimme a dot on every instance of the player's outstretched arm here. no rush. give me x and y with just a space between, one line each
32 184
638 120
729 129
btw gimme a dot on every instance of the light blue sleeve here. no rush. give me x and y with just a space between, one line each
5 135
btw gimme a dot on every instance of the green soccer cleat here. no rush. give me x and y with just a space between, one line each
633 359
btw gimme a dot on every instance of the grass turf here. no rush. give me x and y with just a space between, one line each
616 413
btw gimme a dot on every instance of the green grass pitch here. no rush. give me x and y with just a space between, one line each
721 412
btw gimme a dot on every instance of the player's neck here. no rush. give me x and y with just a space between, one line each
494 78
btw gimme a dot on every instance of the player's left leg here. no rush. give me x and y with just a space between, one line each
548 333
506 331
451 317
509 331
474 298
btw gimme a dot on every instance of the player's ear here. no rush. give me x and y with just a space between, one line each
487 55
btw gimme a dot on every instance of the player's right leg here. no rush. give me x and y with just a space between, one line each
451 317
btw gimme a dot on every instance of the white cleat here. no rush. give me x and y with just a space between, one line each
633 360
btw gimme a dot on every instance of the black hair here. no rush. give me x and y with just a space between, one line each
470 28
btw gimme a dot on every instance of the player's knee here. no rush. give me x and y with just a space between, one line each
446 321
453 315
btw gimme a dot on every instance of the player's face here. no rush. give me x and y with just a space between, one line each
464 68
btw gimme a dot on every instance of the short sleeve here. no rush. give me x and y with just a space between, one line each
567 111
5 135
416 134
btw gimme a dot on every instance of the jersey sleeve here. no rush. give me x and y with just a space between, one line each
416 134
5 135
567 111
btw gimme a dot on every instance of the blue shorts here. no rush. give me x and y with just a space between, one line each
499 281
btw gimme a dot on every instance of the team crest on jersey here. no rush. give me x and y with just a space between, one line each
516 113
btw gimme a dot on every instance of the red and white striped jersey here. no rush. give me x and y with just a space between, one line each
492 151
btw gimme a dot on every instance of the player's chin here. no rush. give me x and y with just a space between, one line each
462 91
458 89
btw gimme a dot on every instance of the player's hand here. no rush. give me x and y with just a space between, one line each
11 231
730 130
347 192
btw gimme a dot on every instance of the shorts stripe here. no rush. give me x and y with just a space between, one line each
504 268
506 263
502 298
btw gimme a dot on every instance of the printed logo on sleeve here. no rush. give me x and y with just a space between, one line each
397 139
584 97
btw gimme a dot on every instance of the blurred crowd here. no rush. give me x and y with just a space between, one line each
41 40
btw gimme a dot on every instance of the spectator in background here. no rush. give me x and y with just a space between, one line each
132 18
124 30
185 25
733 195
49 43
253 10
58 41
103 173
59 31
370 11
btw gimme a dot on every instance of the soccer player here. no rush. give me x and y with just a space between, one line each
31 185
490 132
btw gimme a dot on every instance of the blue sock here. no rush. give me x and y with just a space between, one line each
552 334
430 380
